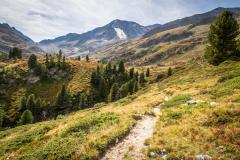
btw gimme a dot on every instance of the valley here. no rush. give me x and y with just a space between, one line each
125 91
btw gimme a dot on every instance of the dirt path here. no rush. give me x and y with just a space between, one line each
132 145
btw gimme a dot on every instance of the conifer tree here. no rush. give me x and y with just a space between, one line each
148 72
87 58
79 58
31 102
136 86
169 71
136 76
114 93
103 90
64 62
82 101
222 39
51 62
114 69
59 58
32 61
63 98
124 90
26 117
46 60
121 67
131 73
1 116
23 104
142 78
131 85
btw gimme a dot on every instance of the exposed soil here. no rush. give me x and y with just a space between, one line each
133 143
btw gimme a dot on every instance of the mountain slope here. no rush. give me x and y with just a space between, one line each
11 37
115 31
174 45
197 19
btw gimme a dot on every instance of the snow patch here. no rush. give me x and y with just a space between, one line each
120 33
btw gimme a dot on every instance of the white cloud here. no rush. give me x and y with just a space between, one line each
41 19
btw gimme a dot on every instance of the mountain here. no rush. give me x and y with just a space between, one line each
197 19
184 39
11 37
75 44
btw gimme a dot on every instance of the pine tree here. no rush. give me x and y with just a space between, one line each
1 116
64 62
148 72
136 76
169 71
87 58
79 58
222 39
31 103
121 67
15 53
124 90
136 86
114 69
142 78
32 61
26 117
23 104
51 62
103 90
114 93
63 98
82 101
46 60
131 73
59 57
131 85
10 54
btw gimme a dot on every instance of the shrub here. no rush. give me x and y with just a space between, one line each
26 117
222 39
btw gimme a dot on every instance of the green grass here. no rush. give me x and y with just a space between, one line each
177 100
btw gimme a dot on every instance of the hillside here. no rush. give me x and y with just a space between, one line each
183 130
74 44
170 94
11 37
179 41
17 81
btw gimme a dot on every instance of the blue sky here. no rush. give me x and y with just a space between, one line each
44 19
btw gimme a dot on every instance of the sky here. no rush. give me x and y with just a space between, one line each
47 19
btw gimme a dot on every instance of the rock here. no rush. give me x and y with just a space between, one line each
152 154
165 98
213 104
33 79
116 140
163 151
203 157
191 102
164 157
220 149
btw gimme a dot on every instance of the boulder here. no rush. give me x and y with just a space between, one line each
213 104
203 157
33 79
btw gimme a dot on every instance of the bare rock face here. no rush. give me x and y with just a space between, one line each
33 79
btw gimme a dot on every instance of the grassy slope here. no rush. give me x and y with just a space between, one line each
179 49
77 81
84 134
184 131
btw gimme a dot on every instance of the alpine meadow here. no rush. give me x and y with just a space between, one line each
84 89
